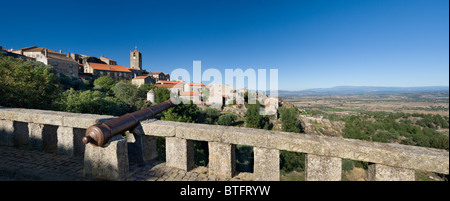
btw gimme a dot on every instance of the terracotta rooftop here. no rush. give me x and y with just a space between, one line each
107 67
196 84
61 57
108 58
169 82
36 49
141 77
189 93
169 85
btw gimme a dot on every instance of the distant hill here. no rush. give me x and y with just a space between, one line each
357 90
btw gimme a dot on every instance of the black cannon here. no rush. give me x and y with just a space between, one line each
99 134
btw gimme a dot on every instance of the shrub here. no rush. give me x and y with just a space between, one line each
27 84
104 83
93 102
227 119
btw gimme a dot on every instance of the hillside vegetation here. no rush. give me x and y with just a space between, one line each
410 129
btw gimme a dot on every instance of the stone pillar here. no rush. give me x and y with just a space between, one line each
6 133
42 137
21 133
378 172
222 160
70 141
134 148
149 148
109 162
267 164
35 138
141 148
65 140
180 153
323 168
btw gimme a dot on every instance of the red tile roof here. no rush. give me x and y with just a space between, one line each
196 84
107 67
141 77
37 49
169 85
169 82
107 58
189 93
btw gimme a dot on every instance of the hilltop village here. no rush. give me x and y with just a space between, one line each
82 66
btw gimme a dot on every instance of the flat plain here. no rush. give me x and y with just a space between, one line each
424 103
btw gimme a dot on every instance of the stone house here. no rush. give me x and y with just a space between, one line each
8 52
198 87
116 72
160 76
222 94
144 79
63 63
187 96
107 60
173 86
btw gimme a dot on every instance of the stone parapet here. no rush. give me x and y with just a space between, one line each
61 132
396 155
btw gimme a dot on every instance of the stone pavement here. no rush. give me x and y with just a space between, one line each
32 165
17 164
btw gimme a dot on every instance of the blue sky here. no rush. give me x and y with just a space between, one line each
313 44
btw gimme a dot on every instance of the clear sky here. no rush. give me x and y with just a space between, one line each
313 43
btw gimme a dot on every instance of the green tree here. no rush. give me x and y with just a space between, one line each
126 92
162 94
143 89
210 115
104 83
290 161
244 158
182 113
93 102
252 117
227 119
289 120
27 84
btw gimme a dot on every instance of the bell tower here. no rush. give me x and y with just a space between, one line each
136 59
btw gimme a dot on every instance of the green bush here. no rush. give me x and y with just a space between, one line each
126 92
254 120
289 120
388 127
182 113
290 161
93 102
104 83
210 115
27 84
227 119
244 158
347 165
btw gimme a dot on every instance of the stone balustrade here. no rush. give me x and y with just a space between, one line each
61 132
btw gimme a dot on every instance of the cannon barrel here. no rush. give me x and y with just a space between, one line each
99 134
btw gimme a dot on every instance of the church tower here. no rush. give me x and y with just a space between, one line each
136 60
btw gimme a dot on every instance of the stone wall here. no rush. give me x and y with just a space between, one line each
61 132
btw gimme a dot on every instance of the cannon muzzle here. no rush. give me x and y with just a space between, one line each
99 134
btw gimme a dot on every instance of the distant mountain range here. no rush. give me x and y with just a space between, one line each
357 90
